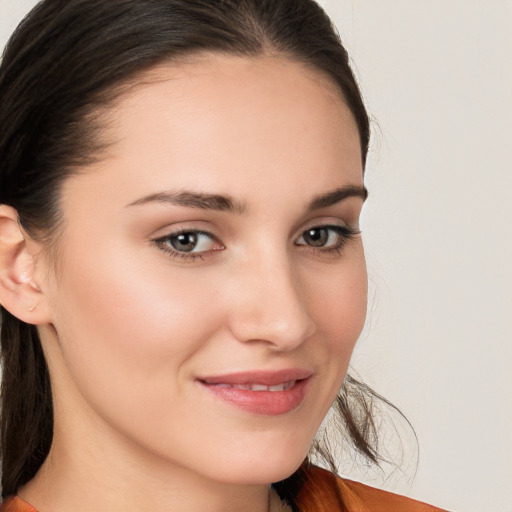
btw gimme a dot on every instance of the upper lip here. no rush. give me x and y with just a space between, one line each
265 377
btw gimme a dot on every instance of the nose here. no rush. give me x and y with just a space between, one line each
269 305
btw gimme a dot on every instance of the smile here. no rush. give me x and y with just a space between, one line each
259 387
263 393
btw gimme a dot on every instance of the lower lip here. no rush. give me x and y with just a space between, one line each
268 403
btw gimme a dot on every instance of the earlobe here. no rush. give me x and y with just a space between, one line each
20 294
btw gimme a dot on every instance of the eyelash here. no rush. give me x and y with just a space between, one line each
345 235
164 244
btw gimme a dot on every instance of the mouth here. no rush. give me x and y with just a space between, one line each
258 387
263 393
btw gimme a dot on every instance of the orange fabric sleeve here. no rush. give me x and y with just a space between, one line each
15 504
326 492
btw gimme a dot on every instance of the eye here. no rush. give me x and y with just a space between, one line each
327 237
191 243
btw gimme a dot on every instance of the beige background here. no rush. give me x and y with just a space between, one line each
437 78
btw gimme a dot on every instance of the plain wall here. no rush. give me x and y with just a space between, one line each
437 79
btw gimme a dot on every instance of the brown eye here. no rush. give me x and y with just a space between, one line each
189 242
184 242
327 237
316 237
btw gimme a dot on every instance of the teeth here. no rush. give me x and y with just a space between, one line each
260 387
279 387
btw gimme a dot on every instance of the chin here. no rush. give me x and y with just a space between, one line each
263 469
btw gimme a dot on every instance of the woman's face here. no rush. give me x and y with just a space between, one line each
210 283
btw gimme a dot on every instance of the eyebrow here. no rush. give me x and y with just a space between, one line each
336 196
197 200
223 203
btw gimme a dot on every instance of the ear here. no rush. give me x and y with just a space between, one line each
20 293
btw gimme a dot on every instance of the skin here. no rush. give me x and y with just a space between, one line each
127 328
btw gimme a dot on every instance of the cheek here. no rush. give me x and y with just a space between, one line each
130 327
338 303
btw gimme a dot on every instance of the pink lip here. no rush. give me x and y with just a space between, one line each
270 403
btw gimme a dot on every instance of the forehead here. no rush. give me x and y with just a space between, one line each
232 124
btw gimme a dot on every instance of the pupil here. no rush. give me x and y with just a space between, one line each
317 237
184 242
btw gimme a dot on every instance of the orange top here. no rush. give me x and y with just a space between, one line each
326 492
323 492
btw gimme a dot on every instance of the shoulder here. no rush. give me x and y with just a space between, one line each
15 504
322 491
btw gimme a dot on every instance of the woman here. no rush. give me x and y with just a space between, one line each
182 278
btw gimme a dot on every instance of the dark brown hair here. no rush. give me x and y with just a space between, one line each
67 60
